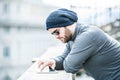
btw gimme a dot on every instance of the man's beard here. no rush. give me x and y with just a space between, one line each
67 39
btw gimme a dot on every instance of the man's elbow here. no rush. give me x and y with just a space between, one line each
69 69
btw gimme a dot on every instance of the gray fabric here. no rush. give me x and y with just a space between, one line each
93 50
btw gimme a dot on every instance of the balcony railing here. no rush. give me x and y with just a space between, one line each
33 72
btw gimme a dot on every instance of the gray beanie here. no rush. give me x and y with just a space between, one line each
61 18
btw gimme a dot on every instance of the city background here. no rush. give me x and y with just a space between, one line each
22 28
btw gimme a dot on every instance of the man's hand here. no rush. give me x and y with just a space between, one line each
46 63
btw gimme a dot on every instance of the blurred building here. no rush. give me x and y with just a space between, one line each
22 35
97 16
95 12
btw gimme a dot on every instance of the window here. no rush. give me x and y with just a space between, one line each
5 8
7 77
6 29
6 51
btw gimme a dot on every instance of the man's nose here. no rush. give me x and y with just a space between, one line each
57 36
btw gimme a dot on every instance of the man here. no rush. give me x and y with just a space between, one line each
87 47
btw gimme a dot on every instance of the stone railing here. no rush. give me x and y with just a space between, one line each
33 72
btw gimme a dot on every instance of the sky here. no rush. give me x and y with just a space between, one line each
84 3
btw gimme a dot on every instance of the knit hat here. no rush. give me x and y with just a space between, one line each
61 18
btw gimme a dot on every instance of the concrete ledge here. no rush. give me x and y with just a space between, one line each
33 72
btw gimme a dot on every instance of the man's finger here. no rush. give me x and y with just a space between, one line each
40 63
44 65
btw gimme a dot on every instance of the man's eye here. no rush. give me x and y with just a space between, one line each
56 32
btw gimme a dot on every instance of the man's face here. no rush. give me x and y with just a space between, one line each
61 33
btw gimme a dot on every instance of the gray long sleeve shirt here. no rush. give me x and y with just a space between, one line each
93 50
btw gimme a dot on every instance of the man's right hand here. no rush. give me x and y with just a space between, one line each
46 63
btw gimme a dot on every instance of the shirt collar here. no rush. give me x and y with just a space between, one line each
75 33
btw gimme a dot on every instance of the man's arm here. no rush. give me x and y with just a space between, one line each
54 63
59 60
82 49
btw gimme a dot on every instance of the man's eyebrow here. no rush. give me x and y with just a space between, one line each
54 31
